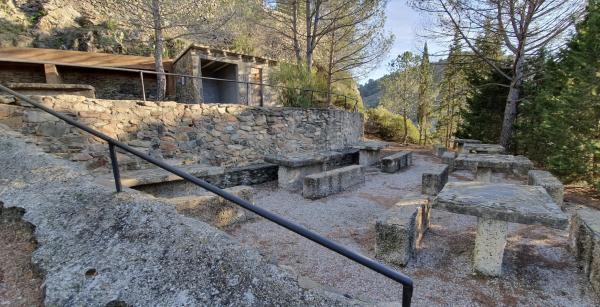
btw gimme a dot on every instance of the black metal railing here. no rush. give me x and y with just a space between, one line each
407 283
349 103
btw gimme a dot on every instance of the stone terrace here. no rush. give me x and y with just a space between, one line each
538 269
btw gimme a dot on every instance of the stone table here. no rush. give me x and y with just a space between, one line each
459 143
495 205
484 164
369 152
293 167
483 148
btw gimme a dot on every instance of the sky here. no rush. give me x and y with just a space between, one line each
406 24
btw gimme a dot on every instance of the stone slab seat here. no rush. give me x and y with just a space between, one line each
433 180
396 162
584 239
334 181
399 231
546 180
214 209
158 175
369 151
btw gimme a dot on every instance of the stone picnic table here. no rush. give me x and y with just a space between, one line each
483 148
459 143
484 164
293 167
495 205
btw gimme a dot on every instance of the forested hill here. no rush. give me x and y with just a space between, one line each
371 91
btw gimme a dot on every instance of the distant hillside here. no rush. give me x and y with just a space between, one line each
371 91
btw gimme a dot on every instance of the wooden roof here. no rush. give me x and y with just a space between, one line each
80 58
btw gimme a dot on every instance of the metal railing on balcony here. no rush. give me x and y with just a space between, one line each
348 103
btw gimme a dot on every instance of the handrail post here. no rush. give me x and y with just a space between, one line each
115 167
143 88
247 93
407 292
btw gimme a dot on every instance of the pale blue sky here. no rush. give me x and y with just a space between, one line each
406 24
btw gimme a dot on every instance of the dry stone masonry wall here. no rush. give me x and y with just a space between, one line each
224 135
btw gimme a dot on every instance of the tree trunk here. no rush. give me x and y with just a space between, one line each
405 136
512 101
309 37
330 69
296 43
161 82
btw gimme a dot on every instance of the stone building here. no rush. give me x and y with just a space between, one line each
111 76
213 64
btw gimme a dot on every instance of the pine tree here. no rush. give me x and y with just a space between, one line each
486 101
426 96
453 93
567 106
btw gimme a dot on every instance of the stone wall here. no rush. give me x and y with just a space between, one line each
110 84
21 73
224 135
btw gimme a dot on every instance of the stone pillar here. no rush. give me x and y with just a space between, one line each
483 174
368 157
489 246
52 76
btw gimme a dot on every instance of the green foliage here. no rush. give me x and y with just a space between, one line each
296 83
390 126
560 124
426 97
35 17
486 99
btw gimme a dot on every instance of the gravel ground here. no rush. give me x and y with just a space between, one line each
538 269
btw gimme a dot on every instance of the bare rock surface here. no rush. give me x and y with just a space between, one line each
502 163
503 202
96 248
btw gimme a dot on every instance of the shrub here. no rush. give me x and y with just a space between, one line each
390 126
296 84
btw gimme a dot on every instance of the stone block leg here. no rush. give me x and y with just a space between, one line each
483 174
291 178
368 157
489 246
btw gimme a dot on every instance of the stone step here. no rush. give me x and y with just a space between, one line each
334 181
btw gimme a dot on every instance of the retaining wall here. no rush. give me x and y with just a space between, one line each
224 135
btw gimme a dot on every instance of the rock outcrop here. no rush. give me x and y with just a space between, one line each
98 248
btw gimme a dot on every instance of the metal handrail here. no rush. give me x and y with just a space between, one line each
141 72
407 283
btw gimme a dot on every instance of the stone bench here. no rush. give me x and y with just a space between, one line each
400 230
369 152
584 237
448 158
396 162
433 181
294 167
546 180
214 209
439 150
330 182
